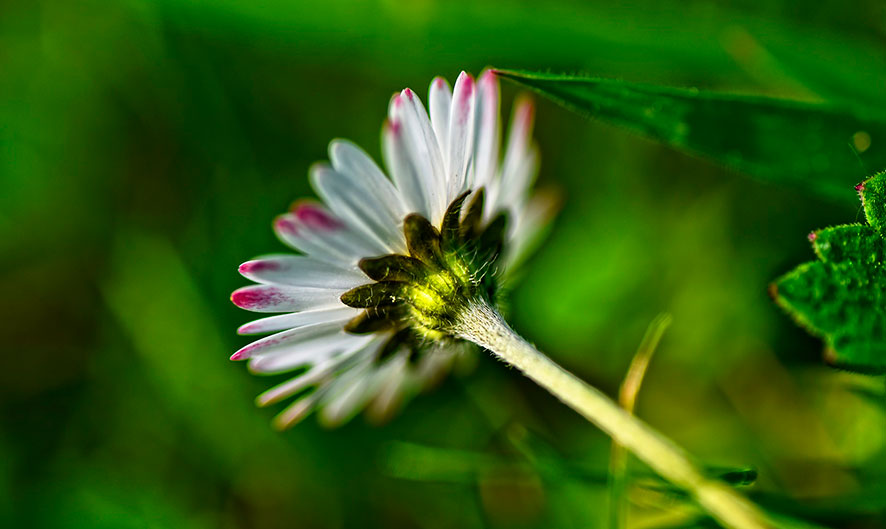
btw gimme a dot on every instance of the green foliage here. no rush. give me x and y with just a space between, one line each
146 146
842 296
815 146
873 197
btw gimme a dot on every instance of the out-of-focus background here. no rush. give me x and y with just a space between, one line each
145 147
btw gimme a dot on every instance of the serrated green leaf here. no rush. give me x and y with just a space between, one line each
842 296
813 146
873 197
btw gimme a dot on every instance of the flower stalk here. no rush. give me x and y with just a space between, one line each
484 326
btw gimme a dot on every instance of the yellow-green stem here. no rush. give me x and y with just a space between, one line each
484 326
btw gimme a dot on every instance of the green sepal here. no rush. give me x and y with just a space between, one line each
490 242
423 240
376 294
470 225
449 230
393 267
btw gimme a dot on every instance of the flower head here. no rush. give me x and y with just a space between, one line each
387 265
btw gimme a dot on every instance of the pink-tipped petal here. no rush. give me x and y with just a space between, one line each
299 351
285 224
316 217
440 102
423 153
488 136
461 132
271 298
298 319
521 158
354 203
301 271
258 266
408 176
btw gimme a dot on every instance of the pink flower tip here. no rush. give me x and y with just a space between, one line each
408 93
254 296
439 82
258 265
812 236
392 127
860 187
284 224
239 355
467 84
245 297
315 216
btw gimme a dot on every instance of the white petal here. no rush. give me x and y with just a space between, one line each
353 389
488 134
357 208
426 151
405 172
298 319
295 412
393 390
301 271
287 340
351 161
313 230
521 159
440 101
273 298
314 350
461 133
533 221
309 378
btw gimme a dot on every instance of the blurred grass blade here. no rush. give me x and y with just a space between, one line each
627 398
817 147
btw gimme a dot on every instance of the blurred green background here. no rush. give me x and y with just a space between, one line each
145 147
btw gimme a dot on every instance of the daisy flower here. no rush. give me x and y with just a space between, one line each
387 265
399 276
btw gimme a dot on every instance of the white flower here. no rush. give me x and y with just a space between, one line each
395 342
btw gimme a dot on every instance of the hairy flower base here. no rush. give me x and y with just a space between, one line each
422 295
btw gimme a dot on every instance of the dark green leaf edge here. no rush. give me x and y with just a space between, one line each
873 198
520 76
609 91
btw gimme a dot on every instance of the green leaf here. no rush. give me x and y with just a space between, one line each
873 197
815 146
842 296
